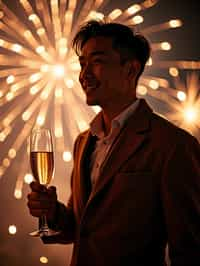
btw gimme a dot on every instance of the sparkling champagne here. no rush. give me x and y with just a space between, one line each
42 165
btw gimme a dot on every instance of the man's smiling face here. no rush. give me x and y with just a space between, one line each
102 76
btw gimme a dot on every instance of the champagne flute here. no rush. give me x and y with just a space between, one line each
42 166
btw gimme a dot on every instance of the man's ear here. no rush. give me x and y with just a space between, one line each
133 68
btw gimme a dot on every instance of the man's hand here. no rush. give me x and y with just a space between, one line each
42 201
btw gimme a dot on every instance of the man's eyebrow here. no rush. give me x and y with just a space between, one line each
82 57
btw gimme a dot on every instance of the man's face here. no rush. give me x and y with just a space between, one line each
102 76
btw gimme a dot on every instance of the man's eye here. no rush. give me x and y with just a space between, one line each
97 61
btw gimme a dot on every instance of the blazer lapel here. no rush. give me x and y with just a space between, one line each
129 140
82 184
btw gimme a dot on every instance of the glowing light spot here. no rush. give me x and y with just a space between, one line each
43 259
58 93
63 41
32 17
40 31
165 46
174 23
18 194
67 156
115 13
44 95
96 15
35 77
2 136
26 115
16 48
14 87
59 71
181 96
149 62
63 46
6 121
28 178
1 14
1 170
137 19
63 50
40 120
44 68
12 153
58 132
133 9
70 83
27 34
142 90
75 66
54 2
6 162
190 115
173 71
34 89
9 96
12 229
2 42
40 49
154 84
10 79
82 125
149 3
96 109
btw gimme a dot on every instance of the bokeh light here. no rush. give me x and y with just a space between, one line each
190 114
12 229
44 260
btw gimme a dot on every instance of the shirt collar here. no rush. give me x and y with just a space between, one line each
96 125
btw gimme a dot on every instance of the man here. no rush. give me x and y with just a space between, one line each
136 177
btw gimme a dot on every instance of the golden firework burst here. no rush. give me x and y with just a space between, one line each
39 75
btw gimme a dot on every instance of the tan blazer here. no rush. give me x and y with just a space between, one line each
148 194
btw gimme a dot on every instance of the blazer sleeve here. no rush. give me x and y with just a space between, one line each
181 201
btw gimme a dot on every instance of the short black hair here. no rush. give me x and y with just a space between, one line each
129 44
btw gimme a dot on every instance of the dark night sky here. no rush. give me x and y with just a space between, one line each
20 249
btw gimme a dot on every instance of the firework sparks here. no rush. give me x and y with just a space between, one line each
186 103
39 70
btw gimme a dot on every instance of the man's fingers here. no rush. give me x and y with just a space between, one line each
41 200
36 204
52 189
52 192
35 186
38 196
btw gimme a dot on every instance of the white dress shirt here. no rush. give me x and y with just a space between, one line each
104 143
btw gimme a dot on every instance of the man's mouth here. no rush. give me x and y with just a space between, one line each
89 87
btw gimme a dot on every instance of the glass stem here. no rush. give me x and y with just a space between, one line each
44 225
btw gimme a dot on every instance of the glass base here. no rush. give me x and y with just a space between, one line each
44 232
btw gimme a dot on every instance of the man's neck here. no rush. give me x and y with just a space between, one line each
111 111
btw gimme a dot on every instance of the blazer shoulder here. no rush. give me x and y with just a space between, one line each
169 131
83 134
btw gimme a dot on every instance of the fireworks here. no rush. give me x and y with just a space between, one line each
39 76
